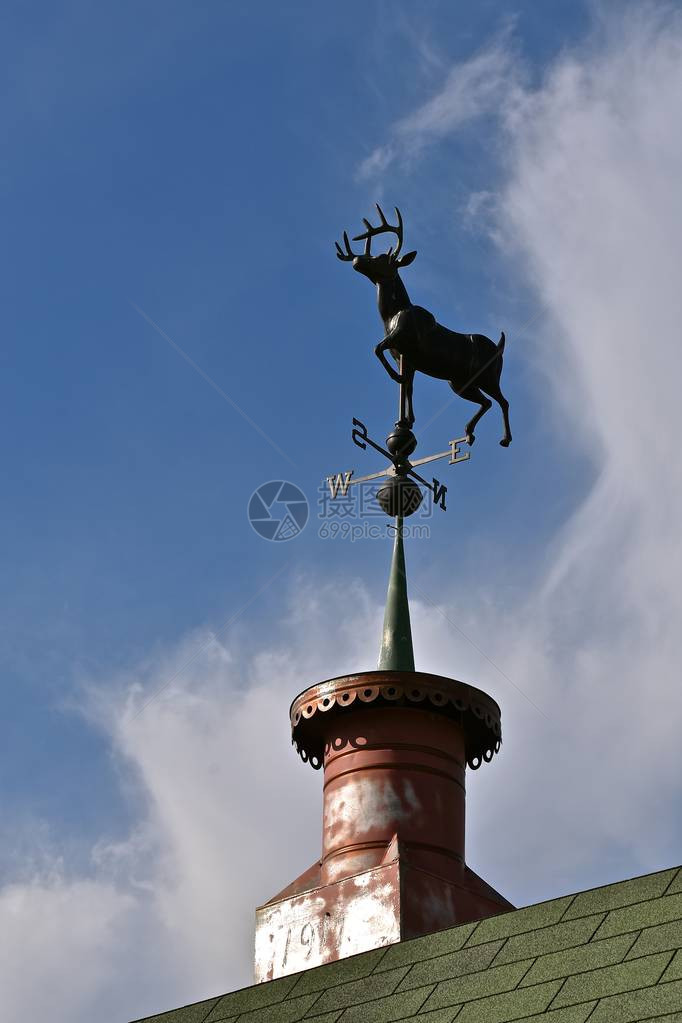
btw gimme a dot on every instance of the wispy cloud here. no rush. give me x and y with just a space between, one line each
592 216
472 88
225 816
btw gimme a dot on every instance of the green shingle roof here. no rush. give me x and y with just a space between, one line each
610 955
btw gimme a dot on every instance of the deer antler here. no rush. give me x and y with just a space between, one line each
383 228
348 254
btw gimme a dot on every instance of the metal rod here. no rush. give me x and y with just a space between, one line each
372 476
401 393
431 458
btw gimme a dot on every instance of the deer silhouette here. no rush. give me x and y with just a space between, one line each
471 363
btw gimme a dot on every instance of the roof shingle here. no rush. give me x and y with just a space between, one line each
613 954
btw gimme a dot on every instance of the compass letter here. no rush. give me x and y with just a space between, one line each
439 492
455 454
359 434
339 482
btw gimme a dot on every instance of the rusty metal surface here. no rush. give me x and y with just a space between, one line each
394 746
430 903
392 771
305 882
319 926
377 907
477 712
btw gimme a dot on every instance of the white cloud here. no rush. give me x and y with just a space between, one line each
592 213
52 928
592 209
590 216
472 88
227 816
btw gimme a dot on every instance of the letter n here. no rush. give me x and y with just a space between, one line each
439 492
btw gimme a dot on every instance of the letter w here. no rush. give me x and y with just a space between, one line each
339 482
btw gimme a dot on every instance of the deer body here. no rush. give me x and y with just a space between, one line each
471 363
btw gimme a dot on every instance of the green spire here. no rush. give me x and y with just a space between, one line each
396 642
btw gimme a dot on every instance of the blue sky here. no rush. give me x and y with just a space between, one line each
193 168
200 166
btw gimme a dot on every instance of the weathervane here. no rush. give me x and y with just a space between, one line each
471 364
400 495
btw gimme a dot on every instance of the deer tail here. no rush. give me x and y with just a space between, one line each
500 343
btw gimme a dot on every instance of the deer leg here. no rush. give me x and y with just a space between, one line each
408 375
496 393
406 411
472 393
379 352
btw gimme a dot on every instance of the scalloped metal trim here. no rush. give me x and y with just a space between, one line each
438 695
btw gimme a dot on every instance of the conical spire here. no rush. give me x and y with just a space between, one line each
396 642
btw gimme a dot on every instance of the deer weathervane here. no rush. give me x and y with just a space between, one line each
471 364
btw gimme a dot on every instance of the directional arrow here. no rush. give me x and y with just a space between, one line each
400 465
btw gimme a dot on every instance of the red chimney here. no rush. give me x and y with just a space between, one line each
394 745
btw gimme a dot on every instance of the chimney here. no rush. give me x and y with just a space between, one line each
393 745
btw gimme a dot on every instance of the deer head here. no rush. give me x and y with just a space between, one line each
384 266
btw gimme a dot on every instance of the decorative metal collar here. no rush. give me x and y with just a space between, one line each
477 712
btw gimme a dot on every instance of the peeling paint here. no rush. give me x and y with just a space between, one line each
371 918
370 910
365 804
341 919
